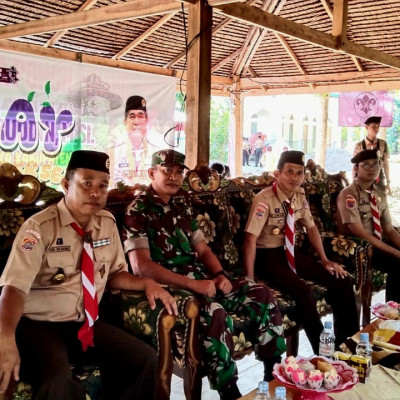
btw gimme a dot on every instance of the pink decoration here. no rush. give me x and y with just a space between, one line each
356 107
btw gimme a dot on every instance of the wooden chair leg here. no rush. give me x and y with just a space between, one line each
292 344
163 390
366 291
193 373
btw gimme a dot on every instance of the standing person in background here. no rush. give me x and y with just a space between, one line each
270 254
371 142
268 161
246 149
258 149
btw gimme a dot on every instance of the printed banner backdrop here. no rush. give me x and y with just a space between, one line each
59 106
356 107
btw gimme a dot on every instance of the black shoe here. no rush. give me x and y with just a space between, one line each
230 393
269 366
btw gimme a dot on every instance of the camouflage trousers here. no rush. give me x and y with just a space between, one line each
248 316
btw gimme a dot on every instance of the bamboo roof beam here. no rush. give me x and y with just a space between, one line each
256 17
226 60
249 46
328 8
58 35
383 75
163 20
339 27
216 29
128 10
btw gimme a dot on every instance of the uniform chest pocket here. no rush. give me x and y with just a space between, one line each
365 212
60 267
102 260
277 221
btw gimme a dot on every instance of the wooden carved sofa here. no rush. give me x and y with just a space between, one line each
221 209
22 196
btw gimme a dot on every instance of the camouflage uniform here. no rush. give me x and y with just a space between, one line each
168 231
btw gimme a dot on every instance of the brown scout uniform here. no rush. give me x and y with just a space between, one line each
47 245
379 144
267 216
354 206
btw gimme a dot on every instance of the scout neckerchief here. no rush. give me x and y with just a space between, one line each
85 333
375 214
289 229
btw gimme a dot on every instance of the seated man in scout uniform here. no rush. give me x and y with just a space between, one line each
371 142
163 242
363 211
61 261
270 254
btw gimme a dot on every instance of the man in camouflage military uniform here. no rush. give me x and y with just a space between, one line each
265 253
355 217
163 242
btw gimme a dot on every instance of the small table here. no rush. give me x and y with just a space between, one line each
383 384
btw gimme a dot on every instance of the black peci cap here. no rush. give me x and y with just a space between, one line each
365 155
135 103
89 159
291 156
373 120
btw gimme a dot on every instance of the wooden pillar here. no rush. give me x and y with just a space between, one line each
198 84
320 145
235 154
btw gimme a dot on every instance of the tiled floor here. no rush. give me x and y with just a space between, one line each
250 369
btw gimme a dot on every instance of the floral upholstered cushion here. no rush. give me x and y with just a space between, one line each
211 213
239 203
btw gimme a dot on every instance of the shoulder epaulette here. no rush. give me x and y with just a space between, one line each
45 215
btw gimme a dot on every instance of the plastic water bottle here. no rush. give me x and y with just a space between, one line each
263 391
364 351
327 341
280 393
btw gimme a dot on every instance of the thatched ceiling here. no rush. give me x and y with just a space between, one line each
265 46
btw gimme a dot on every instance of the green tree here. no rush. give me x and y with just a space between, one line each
393 133
219 129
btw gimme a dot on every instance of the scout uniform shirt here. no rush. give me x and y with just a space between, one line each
46 245
267 216
378 144
354 206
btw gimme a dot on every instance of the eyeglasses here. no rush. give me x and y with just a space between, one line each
368 167
169 171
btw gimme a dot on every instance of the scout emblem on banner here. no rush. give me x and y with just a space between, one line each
356 107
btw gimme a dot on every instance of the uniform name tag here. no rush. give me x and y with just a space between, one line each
58 249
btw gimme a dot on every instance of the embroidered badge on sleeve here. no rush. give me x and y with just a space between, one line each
28 243
261 209
350 202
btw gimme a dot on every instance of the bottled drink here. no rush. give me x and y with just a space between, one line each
263 391
327 341
363 351
280 393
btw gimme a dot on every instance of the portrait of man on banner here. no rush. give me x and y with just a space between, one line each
94 100
134 144
58 106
